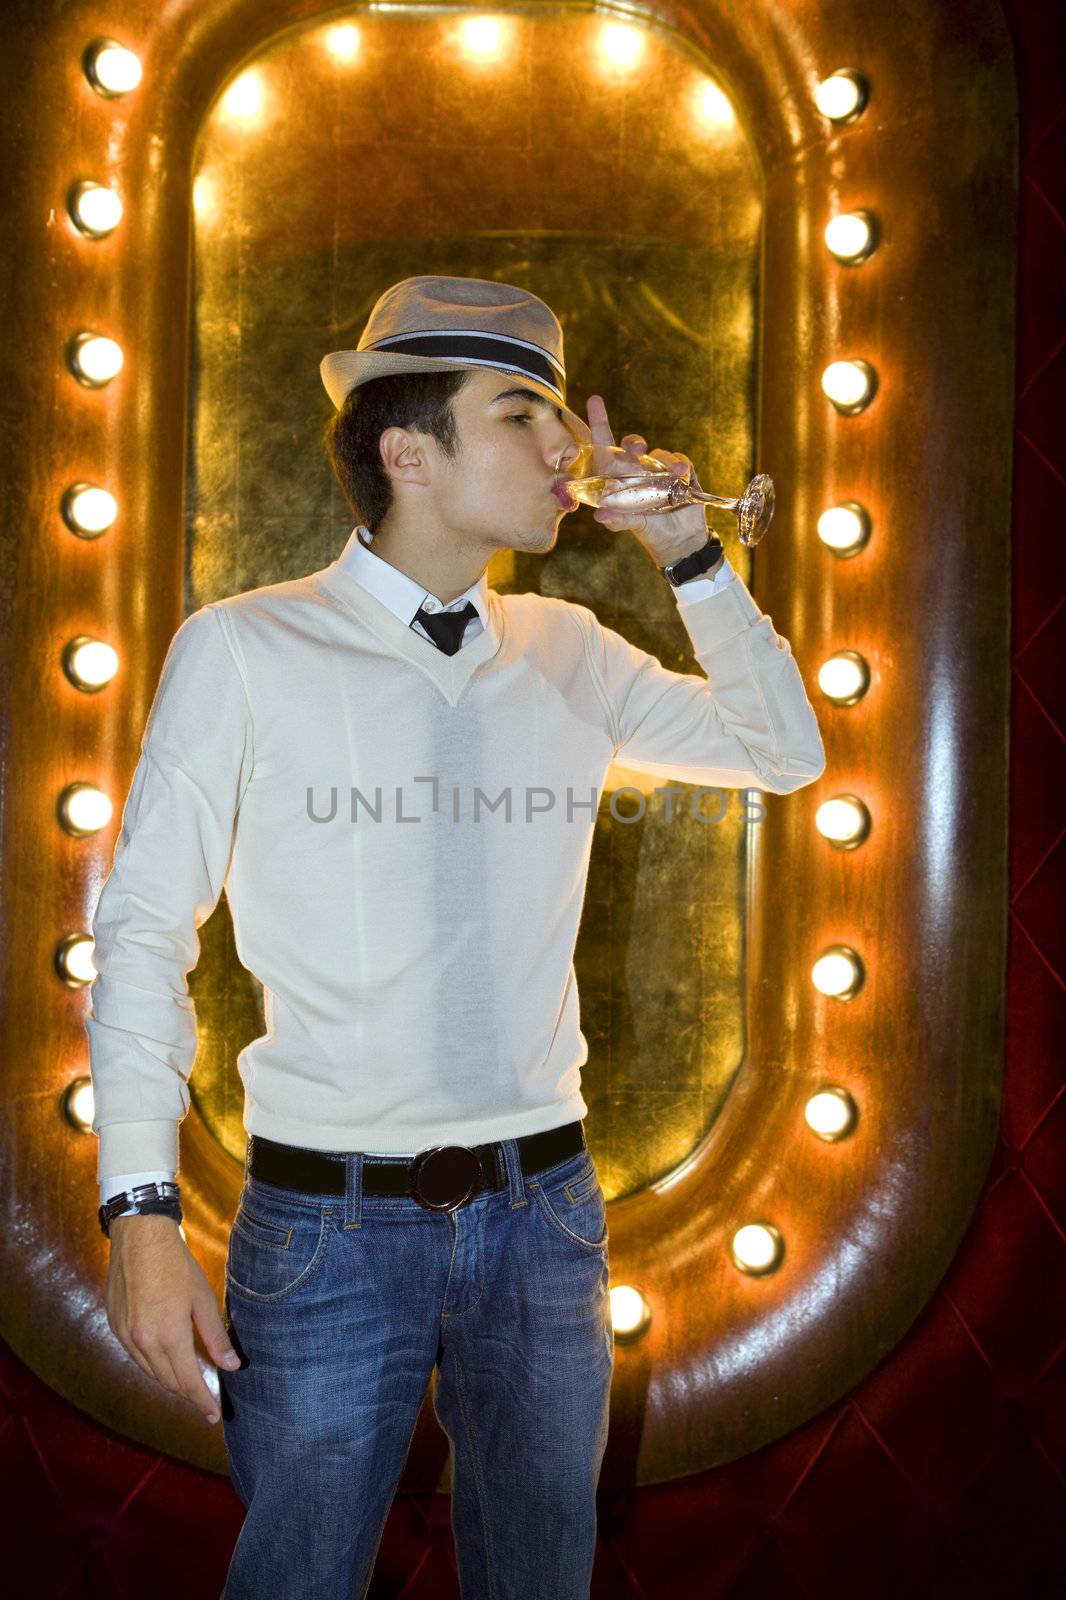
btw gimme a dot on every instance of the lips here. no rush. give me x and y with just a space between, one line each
563 494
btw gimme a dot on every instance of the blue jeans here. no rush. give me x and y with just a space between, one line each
341 1307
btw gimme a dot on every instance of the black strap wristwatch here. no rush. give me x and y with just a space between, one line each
691 566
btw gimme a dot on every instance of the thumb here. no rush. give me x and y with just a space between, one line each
212 1331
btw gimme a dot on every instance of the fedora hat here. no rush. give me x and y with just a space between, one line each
431 324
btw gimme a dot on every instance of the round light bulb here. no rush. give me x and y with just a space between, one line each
621 44
850 384
95 209
111 68
831 1114
84 809
714 108
844 678
838 972
757 1247
842 96
481 36
850 236
89 663
843 820
94 359
630 1312
845 528
74 960
342 42
243 100
79 1105
88 510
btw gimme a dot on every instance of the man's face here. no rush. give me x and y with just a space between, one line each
513 447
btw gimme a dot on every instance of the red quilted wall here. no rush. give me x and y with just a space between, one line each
944 1473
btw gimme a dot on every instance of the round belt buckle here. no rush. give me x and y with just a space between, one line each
444 1176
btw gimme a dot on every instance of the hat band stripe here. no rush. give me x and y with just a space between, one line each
489 350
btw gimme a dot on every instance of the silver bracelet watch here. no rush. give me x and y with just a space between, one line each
146 1199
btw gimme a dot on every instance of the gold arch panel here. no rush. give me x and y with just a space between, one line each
728 1361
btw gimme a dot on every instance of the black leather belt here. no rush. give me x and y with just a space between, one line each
442 1177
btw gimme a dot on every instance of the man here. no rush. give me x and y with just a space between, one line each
394 772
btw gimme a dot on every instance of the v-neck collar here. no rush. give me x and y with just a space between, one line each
451 674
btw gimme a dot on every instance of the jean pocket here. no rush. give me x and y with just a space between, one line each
275 1250
576 1208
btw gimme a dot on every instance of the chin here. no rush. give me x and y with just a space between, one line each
535 538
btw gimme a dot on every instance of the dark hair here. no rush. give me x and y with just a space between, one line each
420 400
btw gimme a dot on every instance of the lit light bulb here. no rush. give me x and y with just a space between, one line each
342 42
111 68
243 100
79 1105
843 820
844 528
842 96
94 208
757 1247
714 107
844 678
74 959
481 36
84 809
630 1312
89 663
621 44
204 198
850 384
88 510
838 973
831 1114
850 236
95 359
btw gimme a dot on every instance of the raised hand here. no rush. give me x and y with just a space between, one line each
666 535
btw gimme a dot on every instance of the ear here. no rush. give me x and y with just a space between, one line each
403 455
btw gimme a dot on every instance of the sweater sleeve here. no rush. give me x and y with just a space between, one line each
170 863
748 723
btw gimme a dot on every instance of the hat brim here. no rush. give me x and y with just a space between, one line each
344 370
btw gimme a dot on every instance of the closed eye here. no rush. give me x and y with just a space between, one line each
519 416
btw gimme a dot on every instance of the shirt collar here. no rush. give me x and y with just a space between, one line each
394 588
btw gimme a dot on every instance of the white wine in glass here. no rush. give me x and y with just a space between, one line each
659 489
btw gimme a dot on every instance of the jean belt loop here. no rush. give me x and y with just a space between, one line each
353 1190
516 1189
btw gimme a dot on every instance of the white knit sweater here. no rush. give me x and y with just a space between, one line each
403 837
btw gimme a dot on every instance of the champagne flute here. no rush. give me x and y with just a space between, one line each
659 489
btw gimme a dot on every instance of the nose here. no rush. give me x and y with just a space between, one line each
566 449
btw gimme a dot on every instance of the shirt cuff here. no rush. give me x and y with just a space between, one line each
700 588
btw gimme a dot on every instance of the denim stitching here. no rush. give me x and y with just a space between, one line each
312 1268
560 1226
478 1480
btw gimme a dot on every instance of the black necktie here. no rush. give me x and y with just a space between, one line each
446 628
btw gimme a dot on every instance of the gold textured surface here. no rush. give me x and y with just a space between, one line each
726 1362
627 197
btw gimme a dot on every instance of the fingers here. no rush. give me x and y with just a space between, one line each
677 463
191 1380
132 1351
171 1361
598 423
602 435
212 1331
